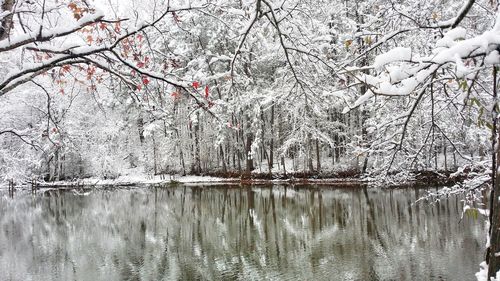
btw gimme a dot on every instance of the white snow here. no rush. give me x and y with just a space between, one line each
492 58
482 275
456 33
219 58
144 179
396 54
52 32
451 36
461 70
361 100
483 43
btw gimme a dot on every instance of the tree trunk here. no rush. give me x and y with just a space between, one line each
224 168
155 156
248 152
56 165
365 163
271 144
283 164
337 149
318 156
140 127
492 258
183 163
445 158
197 159
309 155
455 165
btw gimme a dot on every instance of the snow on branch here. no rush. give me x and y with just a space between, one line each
408 71
48 34
454 22
20 136
245 33
394 55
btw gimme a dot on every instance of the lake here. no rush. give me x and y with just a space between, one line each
237 233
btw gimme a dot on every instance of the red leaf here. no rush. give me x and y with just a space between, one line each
176 17
117 27
196 84
90 72
206 91
145 80
140 64
139 87
102 25
176 96
72 6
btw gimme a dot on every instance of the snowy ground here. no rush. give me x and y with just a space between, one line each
142 179
131 180
139 180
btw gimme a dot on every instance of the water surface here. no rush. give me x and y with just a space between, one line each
237 233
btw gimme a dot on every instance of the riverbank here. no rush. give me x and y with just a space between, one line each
194 180
418 178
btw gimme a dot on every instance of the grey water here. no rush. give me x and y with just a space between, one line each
238 233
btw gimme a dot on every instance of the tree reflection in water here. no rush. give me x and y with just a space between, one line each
237 233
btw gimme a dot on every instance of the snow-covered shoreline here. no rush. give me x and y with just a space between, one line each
403 179
138 180
142 180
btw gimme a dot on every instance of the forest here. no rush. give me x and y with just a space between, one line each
371 89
